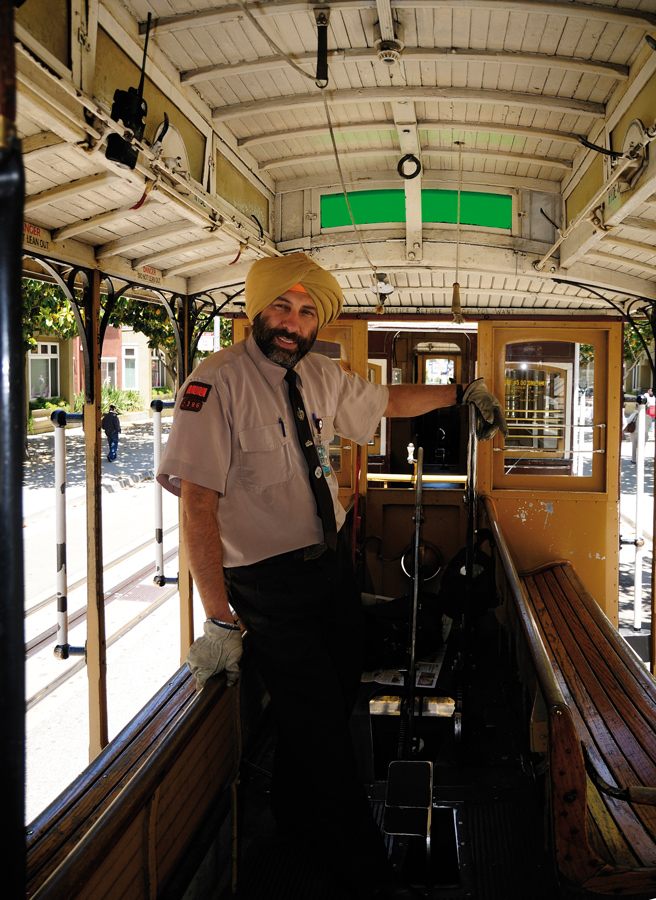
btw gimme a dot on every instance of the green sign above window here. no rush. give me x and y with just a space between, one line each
378 207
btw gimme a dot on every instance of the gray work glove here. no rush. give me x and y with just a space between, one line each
491 417
218 650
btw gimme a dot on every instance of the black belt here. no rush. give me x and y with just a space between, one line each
314 551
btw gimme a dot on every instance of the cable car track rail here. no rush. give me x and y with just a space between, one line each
36 644
81 581
79 616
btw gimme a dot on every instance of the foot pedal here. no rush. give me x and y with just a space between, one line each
409 798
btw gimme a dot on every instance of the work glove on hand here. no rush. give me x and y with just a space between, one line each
491 417
219 649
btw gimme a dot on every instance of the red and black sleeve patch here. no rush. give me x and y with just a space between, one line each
195 395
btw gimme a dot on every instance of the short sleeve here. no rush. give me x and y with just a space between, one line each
360 408
199 444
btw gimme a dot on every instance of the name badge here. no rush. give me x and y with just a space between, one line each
324 460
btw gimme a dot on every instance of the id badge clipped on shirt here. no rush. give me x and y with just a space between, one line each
324 459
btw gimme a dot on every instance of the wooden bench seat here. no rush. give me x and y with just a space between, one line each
588 695
604 844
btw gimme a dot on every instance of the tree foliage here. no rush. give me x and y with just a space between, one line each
46 311
632 344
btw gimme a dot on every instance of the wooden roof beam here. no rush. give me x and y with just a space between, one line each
204 262
518 157
71 189
623 261
264 10
122 245
36 144
154 258
106 218
412 54
446 125
273 105
642 224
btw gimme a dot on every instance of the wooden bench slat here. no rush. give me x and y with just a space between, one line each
629 730
604 831
584 714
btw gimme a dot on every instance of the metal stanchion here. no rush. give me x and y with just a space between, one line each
160 579
60 419
639 537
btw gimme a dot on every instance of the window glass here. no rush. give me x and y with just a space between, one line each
549 400
438 370
130 368
44 371
108 372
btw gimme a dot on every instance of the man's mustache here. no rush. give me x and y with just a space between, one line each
289 335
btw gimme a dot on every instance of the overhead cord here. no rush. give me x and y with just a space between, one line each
455 302
322 87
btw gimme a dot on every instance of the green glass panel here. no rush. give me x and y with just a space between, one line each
368 207
476 208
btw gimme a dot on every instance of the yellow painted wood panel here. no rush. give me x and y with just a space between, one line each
591 180
49 22
240 192
547 517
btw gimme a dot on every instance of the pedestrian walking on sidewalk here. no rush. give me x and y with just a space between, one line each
651 409
112 427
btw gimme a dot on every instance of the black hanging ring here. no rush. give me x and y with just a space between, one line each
409 157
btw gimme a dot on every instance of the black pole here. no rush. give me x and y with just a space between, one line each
12 439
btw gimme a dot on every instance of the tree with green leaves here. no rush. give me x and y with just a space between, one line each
47 312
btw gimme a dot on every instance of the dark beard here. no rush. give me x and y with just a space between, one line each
265 339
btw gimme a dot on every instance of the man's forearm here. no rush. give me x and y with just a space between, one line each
202 541
417 399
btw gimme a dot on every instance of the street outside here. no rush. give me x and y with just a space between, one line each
138 664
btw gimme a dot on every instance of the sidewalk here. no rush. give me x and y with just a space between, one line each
134 463
628 487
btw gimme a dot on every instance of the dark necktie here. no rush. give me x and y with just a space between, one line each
318 482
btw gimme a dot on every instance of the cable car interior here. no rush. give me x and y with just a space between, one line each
479 178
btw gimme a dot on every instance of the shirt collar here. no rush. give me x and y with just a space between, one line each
272 372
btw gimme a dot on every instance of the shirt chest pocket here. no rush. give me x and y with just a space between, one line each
264 457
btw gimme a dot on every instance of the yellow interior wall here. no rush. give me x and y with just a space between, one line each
591 181
642 108
48 21
115 70
547 519
239 192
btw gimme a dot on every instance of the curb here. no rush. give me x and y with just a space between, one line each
631 524
112 485
123 481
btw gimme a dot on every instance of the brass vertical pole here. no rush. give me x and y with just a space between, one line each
96 643
185 582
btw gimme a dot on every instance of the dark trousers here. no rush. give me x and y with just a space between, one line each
112 443
305 622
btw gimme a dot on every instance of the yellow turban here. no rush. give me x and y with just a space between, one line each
271 276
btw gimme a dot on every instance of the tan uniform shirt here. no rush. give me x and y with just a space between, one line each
233 431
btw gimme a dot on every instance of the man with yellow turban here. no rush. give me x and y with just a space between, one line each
248 453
